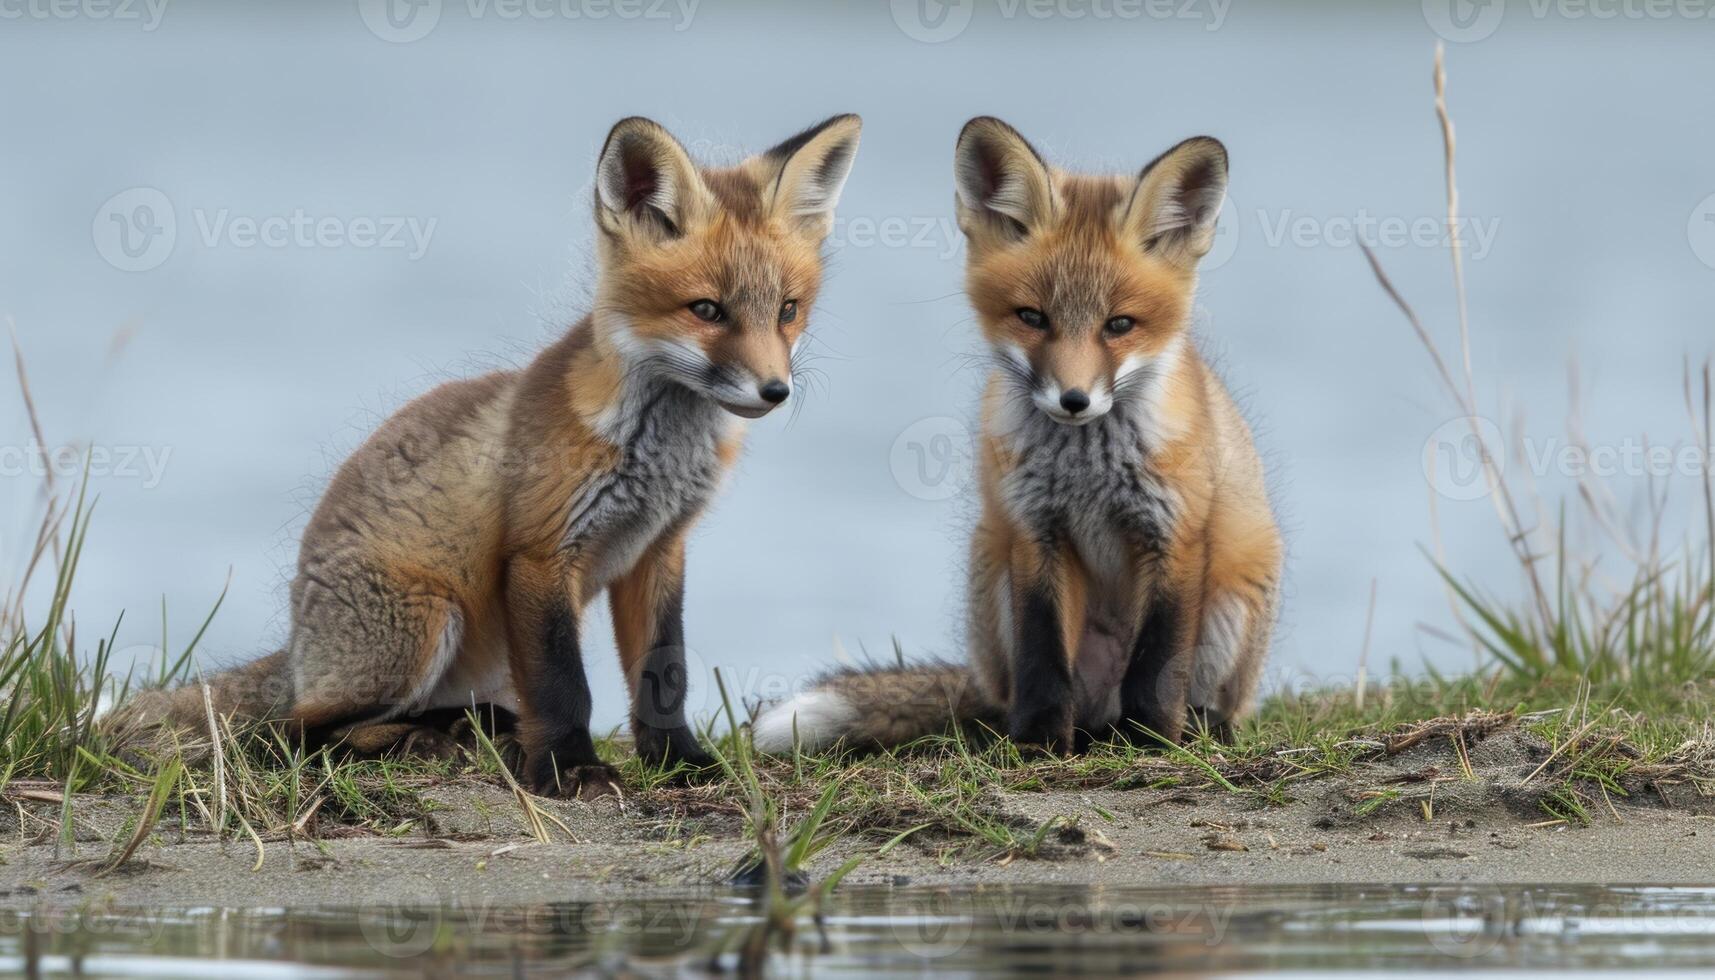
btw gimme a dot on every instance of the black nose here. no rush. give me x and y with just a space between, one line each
1074 401
775 392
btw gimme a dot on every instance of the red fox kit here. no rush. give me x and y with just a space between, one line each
1125 570
454 555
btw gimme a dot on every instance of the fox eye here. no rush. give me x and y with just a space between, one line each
707 310
1119 325
1034 319
789 311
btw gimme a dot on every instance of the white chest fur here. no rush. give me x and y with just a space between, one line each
1091 487
669 467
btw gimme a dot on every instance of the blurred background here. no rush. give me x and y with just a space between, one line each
236 235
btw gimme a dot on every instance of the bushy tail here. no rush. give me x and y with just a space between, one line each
256 691
876 707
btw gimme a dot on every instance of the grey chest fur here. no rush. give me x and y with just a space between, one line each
669 468
1092 487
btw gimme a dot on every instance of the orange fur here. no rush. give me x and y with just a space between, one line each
453 556
1078 282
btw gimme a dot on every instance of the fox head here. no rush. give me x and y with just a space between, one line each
1083 284
708 275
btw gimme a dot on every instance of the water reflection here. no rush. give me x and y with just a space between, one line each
1033 930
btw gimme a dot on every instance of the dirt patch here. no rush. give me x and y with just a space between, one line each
1415 814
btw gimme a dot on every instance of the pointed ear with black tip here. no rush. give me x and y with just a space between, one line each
1177 200
1003 189
646 187
802 178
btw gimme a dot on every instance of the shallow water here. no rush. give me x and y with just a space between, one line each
881 931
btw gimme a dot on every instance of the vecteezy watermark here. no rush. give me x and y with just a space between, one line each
1282 228
147 464
1226 241
937 234
404 21
934 925
1467 21
300 229
1476 235
1463 21
940 234
1470 921
1700 231
403 916
145 13
932 458
1463 459
936 21
137 229
1464 923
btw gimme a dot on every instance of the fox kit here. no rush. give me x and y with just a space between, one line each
453 557
1125 569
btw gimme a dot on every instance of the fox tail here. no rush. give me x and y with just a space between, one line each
876 707
256 691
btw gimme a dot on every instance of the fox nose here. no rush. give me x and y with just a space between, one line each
1074 401
775 392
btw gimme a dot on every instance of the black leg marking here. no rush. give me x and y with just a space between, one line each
658 702
1211 722
563 758
1152 693
1041 678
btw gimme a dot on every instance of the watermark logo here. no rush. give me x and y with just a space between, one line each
1289 228
1465 924
938 234
135 230
1226 237
931 458
1476 235
933 925
673 686
933 21
402 916
400 21
146 465
1700 231
1453 459
1463 456
404 21
300 229
148 13
1464 21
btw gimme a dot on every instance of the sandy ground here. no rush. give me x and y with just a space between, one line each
473 848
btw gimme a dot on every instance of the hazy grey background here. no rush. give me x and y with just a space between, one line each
1587 155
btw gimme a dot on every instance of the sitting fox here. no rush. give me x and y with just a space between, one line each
1125 570
452 558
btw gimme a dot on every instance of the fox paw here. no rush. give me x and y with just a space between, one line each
679 752
591 782
694 766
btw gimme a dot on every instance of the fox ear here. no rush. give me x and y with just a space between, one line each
1004 191
1173 208
802 177
646 185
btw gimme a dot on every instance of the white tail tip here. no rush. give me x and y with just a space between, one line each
818 719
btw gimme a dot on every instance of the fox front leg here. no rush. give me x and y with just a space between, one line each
1153 691
648 606
1042 695
554 691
